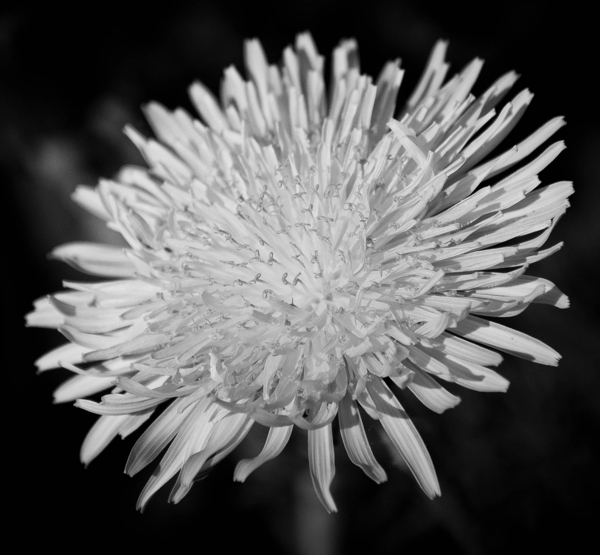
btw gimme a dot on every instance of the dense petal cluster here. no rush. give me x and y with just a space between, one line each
297 253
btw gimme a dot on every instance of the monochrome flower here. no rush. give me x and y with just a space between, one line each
299 255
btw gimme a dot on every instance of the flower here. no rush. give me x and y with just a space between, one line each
296 254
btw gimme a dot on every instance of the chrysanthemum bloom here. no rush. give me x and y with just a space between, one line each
296 253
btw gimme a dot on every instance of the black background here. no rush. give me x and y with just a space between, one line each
518 470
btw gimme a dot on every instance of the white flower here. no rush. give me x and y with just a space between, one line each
297 253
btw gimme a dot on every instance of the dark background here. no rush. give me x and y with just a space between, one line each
518 470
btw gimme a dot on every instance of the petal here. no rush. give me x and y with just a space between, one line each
138 345
134 422
100 435
458 347
356 442
322 464
404 436
277 439
526 147
81 386
454 369
44 315
96 259
118 404
69 352
432 77
191 437
429 392
270 419
156 437
497 131
90 200
225 436
106 429
208 107
318 416
506 339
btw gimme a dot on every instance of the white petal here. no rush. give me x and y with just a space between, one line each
88 340
454 369
356 442
134 422
432 77
156 437
164 125
96 259
81 386
88 198
100 435
466 350
276 441
161 391
117 294
506 339
481 260
191 437
106 429
497 131
429 392
137 345
322 464
527 258
404 436
118 404
162 160
207 107
226 435
534 213
388 85
44 315
69 352
526 147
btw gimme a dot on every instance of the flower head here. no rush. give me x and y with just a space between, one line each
297 253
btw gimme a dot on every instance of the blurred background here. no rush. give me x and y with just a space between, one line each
518 471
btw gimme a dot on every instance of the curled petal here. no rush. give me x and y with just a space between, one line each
319 416
276 441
